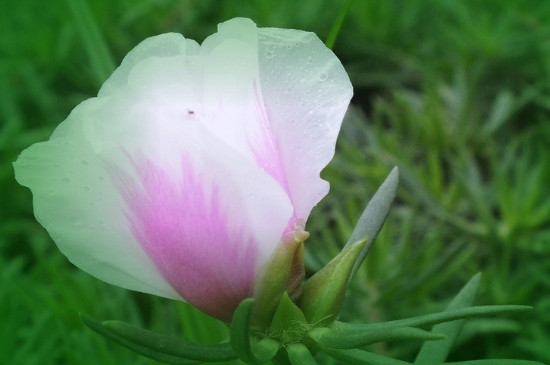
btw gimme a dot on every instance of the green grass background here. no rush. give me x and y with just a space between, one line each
455 93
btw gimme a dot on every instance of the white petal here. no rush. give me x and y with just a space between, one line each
162 46
306 92
75 201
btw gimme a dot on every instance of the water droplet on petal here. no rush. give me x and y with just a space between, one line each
323 76
66 180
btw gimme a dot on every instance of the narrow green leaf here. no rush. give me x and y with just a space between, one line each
360 357
435 353
171 346
240 337
335 339
496 362
324 292
358 330
240 331
333 34
155 355
299 354
371 220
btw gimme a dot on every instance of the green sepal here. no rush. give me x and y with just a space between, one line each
373 217
324 292
339 340
276 277
289 323
299 354
437 353
354 332
142 350
263 351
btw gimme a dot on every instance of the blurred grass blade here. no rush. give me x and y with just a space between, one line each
495 362
152 354
97 50
333 34
171 346
299 354
501 111
435 353
330 338
360 357
374 215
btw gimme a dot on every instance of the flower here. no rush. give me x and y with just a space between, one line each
185 173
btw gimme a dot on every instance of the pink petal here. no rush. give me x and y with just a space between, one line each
185 230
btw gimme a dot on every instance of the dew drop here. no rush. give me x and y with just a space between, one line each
66 180
323 76
269 54
87 188
85 163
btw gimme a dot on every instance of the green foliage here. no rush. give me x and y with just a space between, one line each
454 93
338 340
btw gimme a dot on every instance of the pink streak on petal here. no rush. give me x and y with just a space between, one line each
184 229
266 152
